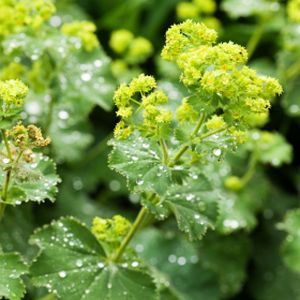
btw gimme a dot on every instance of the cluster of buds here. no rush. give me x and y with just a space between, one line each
110 230
84 31
134 49
28 137
141 95
24 13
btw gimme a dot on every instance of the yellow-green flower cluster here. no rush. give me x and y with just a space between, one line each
186 113
224 57
219 70
140 96
17 14
33 13
198 10
110 230
12 93
215 122
187 35
134 49
293 11
85 31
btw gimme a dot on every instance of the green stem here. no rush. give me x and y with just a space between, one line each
7 175
204 136
198 125
178 155
251 170
293 70
164 150
184 148
255 38
49 115
3 131
135 226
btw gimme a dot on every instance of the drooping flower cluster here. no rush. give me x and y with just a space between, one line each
84 31
28 137
140 95
218 76
134 49
30 13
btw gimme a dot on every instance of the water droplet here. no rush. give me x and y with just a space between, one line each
134 264
294 109
115 185
86 76
55 21
6 160
181 261
217 152
172 258
135 158
63 115
231 223
98 63
140 182
62 274
79 263
190 197
100 265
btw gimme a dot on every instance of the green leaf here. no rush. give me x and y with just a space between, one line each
228 257
291 244
35 181
237 8
192 205
11 269
73 264
140 161
271 148
14 234
176 266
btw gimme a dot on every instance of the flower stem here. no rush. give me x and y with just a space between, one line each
293 70
7 175
204 136
184 148
251 170
255 38
165 151
143 213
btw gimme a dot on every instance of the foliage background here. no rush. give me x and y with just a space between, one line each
243 264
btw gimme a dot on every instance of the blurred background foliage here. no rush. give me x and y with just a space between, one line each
256 254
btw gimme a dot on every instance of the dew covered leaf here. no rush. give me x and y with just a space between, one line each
192 205
175 262
72 263
140 161
14 235
35 181
246 8
12 268
273 148
291 244
228 257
